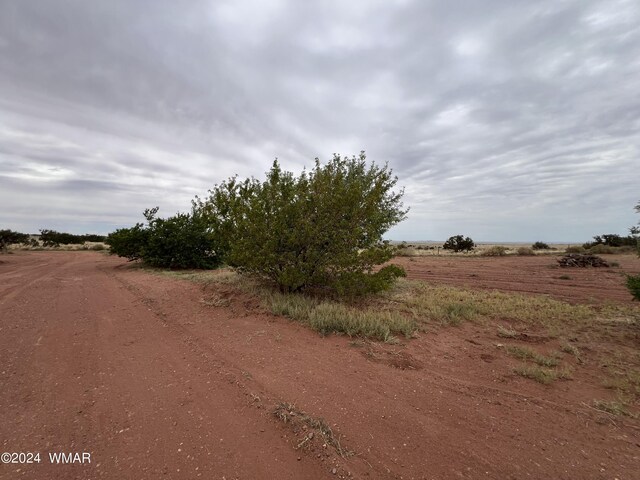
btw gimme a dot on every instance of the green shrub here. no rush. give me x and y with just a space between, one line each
633 284
613 240
8 237
540 246
320 229
601 249
459 243
128 242
495 251
181 241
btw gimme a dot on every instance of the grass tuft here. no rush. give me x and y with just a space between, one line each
613 407
525 353
332 317
539 374
504 332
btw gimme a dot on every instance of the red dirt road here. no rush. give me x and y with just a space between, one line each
135 369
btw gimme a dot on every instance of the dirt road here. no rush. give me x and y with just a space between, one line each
153 382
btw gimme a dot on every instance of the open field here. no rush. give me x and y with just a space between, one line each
192 375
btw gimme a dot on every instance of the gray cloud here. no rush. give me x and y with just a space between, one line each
505 120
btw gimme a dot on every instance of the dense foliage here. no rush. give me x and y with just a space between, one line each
182 241
51 238
8 237
128 242
322 228
633 284
459 243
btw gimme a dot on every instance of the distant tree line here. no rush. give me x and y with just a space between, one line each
49 238
52 238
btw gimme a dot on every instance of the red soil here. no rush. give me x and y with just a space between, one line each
137 370
538 274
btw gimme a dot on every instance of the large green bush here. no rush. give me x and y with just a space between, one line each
182 241
459 243
321 229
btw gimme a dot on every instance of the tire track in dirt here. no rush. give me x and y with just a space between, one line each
107 379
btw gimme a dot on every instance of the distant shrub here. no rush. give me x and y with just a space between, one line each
600 249
575 249
525 251
540 246
495 251
9 237
97 247
459 243
633 284
613 240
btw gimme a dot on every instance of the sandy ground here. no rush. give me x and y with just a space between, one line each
137 370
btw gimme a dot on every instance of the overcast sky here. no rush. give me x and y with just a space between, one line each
504 120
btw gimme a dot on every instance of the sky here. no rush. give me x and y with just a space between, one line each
504 120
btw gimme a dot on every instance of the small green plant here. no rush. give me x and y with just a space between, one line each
524 353
459 243
495 251
540 246
570 349
539 374
633 284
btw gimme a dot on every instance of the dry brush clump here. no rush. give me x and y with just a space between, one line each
582 260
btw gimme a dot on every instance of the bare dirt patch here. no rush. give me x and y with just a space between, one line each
538 274
165 378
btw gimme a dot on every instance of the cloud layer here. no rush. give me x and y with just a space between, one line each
505 120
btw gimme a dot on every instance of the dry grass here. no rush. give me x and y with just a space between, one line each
613 407
334 317
526 353
412 305
542 375
289 414
447 304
